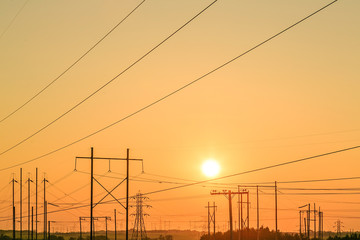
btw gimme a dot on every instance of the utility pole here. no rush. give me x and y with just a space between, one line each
91 193
45 207
36 204
127 193
276 225
314 221
211 218
13 204
28 181
92 206
114 223
257 213
239 212
308 221
32 223
300 235
80 228
106 232
320 223
20 203
228 194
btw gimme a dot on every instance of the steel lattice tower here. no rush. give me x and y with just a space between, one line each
139 230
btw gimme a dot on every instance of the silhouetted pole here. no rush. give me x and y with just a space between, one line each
45 211
276 225
20 203
36 204
28 181
13 204
305 225
91 193
32 223
319 233
13 223
300 225
106 238
230 216
127 194
80 228
248 213
257 213
314 221
308 221
45 220
241 217
115 222
239 220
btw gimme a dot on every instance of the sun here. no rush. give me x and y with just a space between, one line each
210 168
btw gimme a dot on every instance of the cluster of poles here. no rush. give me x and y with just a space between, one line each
307 219
240 193
31 234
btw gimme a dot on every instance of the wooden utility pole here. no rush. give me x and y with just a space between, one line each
114 223
300 235
230 215
29 181
13 204
80 228
45 207
36 204
276 223
91 192
32 223
20 203
127 192
314 221
308 221
257 213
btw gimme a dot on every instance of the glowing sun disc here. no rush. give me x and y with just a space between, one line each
210 168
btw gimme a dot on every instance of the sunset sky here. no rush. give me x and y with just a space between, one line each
294 97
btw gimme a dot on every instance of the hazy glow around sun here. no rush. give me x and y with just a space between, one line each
210 168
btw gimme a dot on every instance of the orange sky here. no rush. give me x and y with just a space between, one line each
294 97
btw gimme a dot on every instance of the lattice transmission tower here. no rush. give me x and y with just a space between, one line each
139 230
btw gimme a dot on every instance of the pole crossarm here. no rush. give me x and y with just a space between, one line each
112 159
226 192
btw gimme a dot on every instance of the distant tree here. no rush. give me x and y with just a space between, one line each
5 237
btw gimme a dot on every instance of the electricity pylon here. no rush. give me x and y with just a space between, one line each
139 230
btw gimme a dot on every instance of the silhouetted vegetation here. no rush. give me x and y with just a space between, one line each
251 234
352 236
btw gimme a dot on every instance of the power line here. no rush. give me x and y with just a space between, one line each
13 20
259 169
166 96
73 64
219 178
107 83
